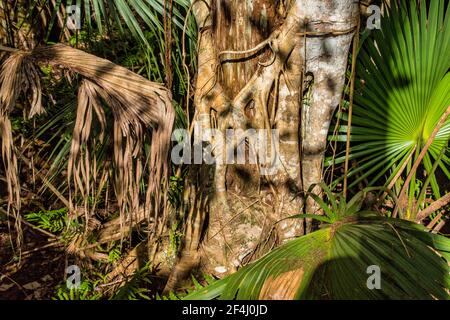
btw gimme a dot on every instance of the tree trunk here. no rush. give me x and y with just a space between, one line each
257 59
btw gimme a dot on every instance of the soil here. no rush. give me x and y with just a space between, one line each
38 272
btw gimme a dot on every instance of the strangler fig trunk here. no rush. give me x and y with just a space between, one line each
257 59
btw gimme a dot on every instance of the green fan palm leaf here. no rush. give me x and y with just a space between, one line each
403 92
129 14
333 263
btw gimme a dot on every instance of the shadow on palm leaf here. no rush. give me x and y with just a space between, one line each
403 91
356 254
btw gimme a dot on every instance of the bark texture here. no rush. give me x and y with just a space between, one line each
257 61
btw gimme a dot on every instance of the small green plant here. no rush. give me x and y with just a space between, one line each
135 289
175 236
86 291
114 254
196 287
53 220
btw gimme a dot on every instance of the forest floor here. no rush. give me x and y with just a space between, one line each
38 272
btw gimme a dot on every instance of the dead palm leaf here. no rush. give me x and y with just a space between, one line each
18 75
142 111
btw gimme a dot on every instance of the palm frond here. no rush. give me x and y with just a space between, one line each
335 263
142 111
404 90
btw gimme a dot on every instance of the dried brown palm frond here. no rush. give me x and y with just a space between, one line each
10 167
18 75
142 111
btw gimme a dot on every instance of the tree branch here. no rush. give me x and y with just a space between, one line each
438 204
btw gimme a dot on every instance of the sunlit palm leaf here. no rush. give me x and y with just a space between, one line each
129 13
333 263
404 90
